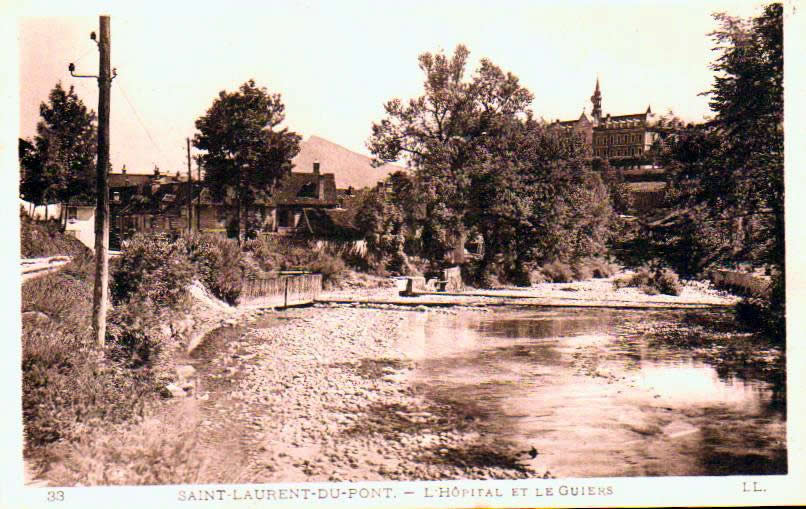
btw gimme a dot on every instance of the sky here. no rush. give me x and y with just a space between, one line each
336 63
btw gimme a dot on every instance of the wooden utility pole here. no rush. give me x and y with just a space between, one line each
101 290
190 192
198 197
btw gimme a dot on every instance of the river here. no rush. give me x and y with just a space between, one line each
577 394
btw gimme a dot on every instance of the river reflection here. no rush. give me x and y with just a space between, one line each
591 401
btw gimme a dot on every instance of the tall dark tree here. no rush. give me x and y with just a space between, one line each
62 164
32 178
246 154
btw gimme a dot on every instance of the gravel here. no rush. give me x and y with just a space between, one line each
324 394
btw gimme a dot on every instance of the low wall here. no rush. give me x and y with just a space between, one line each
289 290
743 282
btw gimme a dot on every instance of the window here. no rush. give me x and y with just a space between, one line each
308 190
72 213
116 196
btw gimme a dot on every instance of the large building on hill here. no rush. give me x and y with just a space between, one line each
625 140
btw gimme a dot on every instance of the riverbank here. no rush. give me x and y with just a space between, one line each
333 394
319 394
589 293
323 395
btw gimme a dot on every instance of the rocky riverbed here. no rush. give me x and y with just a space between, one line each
328 393
323 395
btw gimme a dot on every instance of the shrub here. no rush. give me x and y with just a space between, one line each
536 277
766 313
558 272
667 282
287 254
601 268
332 268
663 280
152 268
642 277
67 385
148 451
582 270
218 264
148 286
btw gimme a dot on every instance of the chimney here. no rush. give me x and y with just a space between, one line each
125 177
156 171
320 181
123 170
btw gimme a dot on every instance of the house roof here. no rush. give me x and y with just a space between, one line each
128 179
300 189
331 223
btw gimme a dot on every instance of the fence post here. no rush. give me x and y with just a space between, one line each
285 298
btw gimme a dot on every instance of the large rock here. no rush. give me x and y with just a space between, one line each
172 391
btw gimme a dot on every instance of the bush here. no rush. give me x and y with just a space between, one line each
667 282
67 385
558 272
582 270
332 268
642 278
663 280
148 451
274 254
536 277
153 268
767 313
218 264
601 268
148 286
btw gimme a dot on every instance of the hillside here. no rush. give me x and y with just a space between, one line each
351 168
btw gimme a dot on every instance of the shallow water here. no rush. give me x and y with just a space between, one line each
594 402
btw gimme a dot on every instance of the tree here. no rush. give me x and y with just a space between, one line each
60 162
246 153
32 178
440 133
733 166
483 164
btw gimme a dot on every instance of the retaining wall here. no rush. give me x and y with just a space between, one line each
743 282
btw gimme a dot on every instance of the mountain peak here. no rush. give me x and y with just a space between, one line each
351 169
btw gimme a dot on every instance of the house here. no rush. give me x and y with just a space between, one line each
171 204
79 221
284 211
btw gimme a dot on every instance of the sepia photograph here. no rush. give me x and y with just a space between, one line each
449 254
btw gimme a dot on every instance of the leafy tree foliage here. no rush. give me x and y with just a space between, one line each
59 163
483 164
32 177
732 167
246 152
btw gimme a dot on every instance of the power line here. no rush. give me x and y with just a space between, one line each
77 60
139 119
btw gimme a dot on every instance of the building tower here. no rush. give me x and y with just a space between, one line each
596 99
